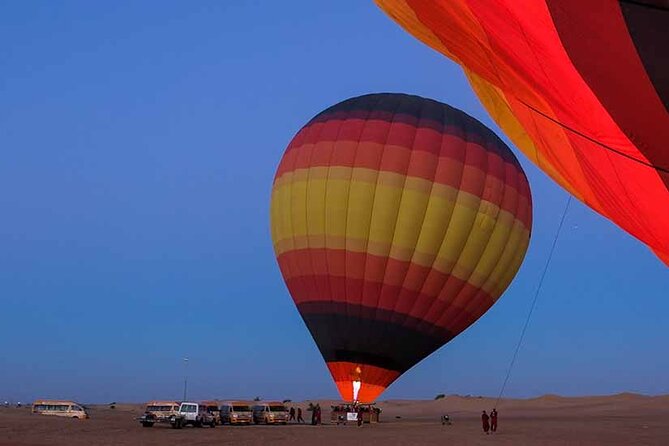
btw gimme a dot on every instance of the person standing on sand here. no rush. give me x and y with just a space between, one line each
299 415
318 414
292 414
360 413
493 420
484 421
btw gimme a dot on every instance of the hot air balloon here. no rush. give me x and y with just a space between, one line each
397 221
582 88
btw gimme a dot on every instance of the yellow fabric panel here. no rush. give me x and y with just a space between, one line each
409 223
282 230
438 214
510 261
298 201
479 242
384 214
316 207
457 234
497 243
360 205
336 210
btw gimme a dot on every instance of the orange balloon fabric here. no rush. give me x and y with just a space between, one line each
581 87
397 222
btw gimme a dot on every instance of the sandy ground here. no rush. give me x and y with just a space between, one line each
613 420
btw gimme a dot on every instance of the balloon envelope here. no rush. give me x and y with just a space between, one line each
581 87
397 222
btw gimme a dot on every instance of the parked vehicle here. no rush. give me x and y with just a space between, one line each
194 414
236 412
158 412
68 409
270 413
212 408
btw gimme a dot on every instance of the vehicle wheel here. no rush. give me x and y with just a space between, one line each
147 424
212 424
284 423
75 417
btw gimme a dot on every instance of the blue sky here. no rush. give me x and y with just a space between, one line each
138 141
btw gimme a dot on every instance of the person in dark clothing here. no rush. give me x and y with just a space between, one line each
299 415
318 414
485 421
313 416
493 420
360 413
291 412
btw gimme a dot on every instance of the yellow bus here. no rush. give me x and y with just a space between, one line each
59 408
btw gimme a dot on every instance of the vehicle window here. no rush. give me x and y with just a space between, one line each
157 408
277 408
241 408
189 408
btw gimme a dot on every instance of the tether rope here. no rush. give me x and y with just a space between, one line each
534 302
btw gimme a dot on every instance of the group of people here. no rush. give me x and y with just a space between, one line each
296 415
292 413
489 421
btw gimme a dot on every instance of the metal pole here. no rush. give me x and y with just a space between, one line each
185 378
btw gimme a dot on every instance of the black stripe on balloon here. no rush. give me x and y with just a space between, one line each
649 29
407 109
367 340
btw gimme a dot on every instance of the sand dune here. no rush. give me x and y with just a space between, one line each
624 419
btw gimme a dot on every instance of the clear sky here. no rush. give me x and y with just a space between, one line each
138 142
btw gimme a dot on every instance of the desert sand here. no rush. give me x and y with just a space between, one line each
624 419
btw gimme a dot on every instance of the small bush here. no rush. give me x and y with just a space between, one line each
440 396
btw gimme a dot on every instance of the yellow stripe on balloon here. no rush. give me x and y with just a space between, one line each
389 228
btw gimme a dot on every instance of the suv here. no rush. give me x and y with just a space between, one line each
270 413
158 412
194 414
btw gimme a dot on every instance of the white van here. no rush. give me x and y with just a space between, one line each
270 413
68 409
